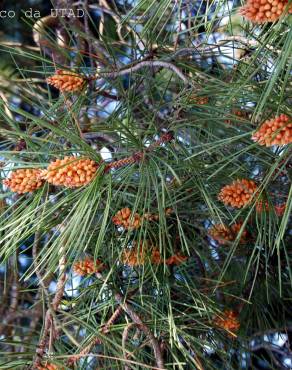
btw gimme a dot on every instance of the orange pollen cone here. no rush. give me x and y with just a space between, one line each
24 180
276 131
67 81
239 193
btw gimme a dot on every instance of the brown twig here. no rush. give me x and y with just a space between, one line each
44 337
112 319
113 358
179 25
205 48
271 348
126 307
86 28
138 156
49 325
96 340
149 63
35 246
35 318
137 320
124 340
12 312
84 352
61 280
107 95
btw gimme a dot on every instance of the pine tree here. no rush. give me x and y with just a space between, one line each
146 187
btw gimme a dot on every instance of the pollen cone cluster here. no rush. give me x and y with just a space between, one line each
176 259
276 131
49 367
262 206
66 81
224 234
239 114
24 180
229 321
280 209
199 100
262 11
238 193
155 256
127 219
155 216
139 255
88 266
235 229
71 172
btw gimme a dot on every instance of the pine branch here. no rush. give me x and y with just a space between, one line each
96 340
137 320
150 64
125 336
49 324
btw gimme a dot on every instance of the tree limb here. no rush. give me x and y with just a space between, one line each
150 64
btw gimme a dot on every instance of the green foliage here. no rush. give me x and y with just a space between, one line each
237 66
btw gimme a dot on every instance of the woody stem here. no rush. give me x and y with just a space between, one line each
136 157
